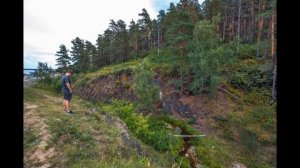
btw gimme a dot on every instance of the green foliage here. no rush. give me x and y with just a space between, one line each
247 51
248 76
263 47
206 57
213 153
248 138
75 140
144 86
213 84
44 72
56 84
148 129
179 31
183 162
63 60
258 96
230 54
178 123
166 64
161 139
265 117
78 56
30 139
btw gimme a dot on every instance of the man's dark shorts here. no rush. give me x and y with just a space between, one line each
67 96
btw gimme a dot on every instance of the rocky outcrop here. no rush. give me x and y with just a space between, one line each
118 85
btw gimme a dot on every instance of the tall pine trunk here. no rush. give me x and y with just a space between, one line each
232 28
239 25
260 28
224 25
273 55
251 32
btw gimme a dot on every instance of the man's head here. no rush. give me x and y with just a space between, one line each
69 72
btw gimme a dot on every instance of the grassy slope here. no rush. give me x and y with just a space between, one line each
255 122
247 134
84 139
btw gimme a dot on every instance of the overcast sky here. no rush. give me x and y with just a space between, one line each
50 23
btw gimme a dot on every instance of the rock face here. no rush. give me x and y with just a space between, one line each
105 88
197 110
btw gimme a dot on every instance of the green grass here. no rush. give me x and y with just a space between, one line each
84 138
246 135
149 130
30 140
82 79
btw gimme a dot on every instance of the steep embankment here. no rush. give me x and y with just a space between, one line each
90 138
108 130
238 129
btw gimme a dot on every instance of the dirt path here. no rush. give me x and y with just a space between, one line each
41 153
55 139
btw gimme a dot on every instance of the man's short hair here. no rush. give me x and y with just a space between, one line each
70 71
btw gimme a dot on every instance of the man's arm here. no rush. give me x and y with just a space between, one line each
69 86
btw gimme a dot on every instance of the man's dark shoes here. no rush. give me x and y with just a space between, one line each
70 112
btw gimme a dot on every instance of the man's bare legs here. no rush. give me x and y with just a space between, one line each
68 108
65 106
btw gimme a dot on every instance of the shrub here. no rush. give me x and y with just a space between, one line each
144 87
148 129
248 76
206 57
56 84
247 51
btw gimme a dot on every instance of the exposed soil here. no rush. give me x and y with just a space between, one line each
105 88
40 154
198 110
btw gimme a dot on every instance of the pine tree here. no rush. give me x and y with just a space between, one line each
120 40
161 28
146 30
134 35
90 52
78 55
63 60
108 47
44 72
99 60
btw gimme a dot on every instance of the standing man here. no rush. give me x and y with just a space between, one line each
67 91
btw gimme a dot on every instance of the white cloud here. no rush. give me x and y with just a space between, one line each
50 23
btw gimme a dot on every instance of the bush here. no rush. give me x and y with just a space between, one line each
148 129
56 84
161 138
247 51
258 96
144 87
247 75
206 57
